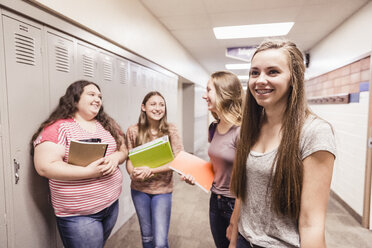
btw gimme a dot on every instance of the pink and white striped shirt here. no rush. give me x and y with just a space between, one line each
87 196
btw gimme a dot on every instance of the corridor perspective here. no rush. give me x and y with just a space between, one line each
84 71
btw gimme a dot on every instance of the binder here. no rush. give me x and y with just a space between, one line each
83 153
152 154
202 171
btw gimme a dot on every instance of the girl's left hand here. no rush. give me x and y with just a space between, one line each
188 179
109 165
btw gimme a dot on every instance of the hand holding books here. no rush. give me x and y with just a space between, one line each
85 152
194 170
141 173
91 153
148 156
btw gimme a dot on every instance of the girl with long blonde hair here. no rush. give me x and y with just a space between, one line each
285 156
225 99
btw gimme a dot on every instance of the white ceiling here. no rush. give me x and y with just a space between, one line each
191 23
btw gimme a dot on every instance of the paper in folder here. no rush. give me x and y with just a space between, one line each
188 164
152 154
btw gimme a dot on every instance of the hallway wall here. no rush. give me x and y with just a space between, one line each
349 42
134 27
338 64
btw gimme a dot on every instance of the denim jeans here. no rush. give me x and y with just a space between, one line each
220 211
243 243
153 213
88 231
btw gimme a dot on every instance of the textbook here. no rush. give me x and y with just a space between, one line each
152 154
83 153
188 164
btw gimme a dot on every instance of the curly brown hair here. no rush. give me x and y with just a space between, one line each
67 107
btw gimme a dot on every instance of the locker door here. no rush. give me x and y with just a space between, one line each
141 83
123 97
3 236
32 219
135 93
87 62
61 70
107 82
122 110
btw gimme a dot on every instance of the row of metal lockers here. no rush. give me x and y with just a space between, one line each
37 63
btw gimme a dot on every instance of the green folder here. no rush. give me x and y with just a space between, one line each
152 154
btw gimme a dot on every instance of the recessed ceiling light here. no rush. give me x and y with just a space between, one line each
243 77
238 66
250 31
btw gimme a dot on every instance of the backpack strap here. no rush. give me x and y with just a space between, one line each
212 130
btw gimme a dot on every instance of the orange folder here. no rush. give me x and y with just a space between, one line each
202 171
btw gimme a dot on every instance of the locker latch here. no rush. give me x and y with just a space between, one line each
16 168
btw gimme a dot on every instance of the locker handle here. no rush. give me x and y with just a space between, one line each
16 168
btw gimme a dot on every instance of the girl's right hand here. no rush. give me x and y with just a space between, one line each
95 167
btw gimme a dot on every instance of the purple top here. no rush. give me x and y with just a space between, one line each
222 154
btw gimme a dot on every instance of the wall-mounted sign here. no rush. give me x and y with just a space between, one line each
242 53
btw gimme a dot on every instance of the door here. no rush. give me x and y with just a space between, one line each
188 114
31 217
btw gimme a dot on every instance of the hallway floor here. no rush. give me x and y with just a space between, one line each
189 226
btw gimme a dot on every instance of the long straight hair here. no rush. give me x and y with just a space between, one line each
287 169
144 134
67 107
229 96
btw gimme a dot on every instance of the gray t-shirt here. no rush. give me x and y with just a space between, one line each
222 154
258 223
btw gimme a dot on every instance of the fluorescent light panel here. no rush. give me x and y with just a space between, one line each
251 31
238 66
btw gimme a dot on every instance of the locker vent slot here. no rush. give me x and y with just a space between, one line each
107 70
24 49
88 66
23 28
62 59
123 73
134 78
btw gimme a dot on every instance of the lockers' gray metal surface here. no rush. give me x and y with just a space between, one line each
40 63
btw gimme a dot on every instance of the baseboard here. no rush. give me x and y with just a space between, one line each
351 211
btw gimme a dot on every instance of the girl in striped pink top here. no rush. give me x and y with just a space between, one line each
85 199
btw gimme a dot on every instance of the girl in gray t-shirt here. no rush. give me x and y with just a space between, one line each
285 156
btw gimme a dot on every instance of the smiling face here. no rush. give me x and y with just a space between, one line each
210 96
269 78
154 108
90 102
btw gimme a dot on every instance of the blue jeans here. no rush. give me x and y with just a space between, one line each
243 243
220 211
153 213
88 231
